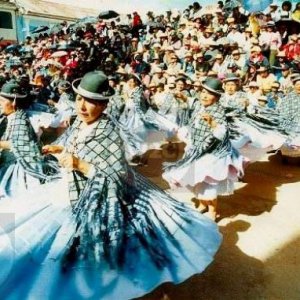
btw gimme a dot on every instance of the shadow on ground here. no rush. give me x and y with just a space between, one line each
231 275
262 179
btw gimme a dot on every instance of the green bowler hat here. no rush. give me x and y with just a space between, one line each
231 77
213 85
12 90
93 85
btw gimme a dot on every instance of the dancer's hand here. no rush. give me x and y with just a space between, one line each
210 121
68 161
5 145
52 149
73 163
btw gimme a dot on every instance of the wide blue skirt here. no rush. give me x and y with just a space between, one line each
155 238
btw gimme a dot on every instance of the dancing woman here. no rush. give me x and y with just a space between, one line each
22 166
210 165
119 226
141 126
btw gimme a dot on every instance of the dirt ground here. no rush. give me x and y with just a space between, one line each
259 257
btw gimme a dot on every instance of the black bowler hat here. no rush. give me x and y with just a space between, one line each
12 90
213 85
93 85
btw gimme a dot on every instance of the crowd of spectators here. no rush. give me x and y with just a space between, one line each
170 53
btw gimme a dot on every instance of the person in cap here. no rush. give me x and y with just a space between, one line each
174 65
262 101
188 66
119 203
233 97
235 36
286 84
64 107
207 137
296 13
275 95
270 41
256 58
158 76
22 166
280 61
273 11
289 121
253 92
238 59
291 48
290 105
219 65
145 132
265 79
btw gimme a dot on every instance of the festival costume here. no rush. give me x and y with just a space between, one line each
23 166
210 164
118 226
141 127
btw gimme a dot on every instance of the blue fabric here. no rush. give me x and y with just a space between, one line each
122 238
23 164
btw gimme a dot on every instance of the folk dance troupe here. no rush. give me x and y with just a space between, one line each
79 220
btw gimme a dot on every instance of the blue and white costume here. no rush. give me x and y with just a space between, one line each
23 166
119 225
210 165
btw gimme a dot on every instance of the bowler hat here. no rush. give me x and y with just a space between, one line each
12 90
231 77
213 85
93 85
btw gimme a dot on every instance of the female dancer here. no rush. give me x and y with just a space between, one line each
141 127
120 224
22 165
210 165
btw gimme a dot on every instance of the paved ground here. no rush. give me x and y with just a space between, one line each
259 257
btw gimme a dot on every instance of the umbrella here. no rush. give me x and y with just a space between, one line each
291 26
86 20
56 28
39 29
82 23
108 14
12 48
59 54
230 5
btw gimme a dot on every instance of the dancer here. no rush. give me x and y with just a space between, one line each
120 224
22 165
210 165
141 127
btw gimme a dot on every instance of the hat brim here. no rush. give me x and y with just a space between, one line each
12 96
86 94
231 79
216 92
